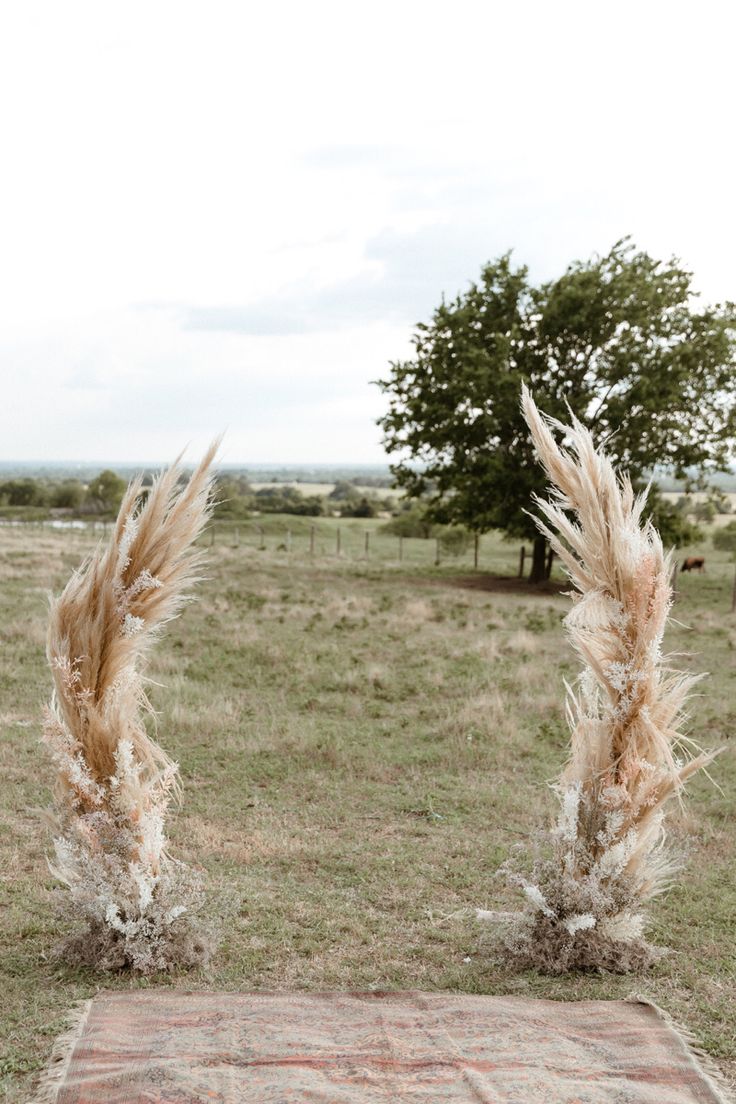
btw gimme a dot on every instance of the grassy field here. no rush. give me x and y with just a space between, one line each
362 744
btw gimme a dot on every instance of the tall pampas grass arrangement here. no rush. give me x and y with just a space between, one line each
605 858
114 784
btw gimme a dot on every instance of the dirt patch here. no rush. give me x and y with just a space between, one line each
506 584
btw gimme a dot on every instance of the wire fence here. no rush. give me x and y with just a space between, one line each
353 543
349 543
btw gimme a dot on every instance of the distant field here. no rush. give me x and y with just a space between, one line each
701 496
324 489
362 742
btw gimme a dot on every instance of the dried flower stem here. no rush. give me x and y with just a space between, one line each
629 755
114 784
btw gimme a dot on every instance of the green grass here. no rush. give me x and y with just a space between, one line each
362 743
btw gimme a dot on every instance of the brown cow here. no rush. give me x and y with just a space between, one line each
694 563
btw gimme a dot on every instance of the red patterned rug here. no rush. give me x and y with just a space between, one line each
172 1047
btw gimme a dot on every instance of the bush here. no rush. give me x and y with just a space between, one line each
23 492
704 511
105 493
287 500
725 539
671 520
411 522
68 495
454 540
363 508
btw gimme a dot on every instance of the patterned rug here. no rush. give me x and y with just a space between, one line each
172 1047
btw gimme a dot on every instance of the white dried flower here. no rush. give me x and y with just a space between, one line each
537 898
132 625
624 927
130 532
579 922
567 824
613 860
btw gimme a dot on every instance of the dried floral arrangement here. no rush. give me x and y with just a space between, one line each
605 858
114 784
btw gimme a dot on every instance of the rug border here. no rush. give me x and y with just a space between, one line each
704 1062
52 1077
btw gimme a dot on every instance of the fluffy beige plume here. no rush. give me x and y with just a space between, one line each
629 755
114 784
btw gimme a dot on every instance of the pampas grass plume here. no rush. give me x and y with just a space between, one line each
114 783
629 756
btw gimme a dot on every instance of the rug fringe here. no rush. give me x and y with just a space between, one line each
721 1088
53 1076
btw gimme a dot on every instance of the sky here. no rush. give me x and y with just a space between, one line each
221 216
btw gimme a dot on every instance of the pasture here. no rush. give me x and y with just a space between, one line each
362 742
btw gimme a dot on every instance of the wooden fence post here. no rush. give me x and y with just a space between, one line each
522 557
437 553
338 542
367 544
475 551
401 549
311 541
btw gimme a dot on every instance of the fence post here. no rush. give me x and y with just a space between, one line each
337 541
401 549
311 541
522 556
475 551
367 544
437 553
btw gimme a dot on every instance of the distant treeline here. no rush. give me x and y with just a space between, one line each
370 475
101 495
235 498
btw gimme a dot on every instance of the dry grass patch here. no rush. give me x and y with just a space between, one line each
356 829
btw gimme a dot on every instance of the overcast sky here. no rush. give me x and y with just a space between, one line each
231 215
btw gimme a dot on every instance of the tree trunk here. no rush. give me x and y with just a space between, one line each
539 556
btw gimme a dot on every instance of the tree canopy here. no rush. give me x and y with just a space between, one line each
619 340
107 490
725 538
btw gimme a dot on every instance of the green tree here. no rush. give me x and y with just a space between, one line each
724 539
23 492
362 508
672 521
68 495
105 492
233 498
704 511
617 339
344 491
411 521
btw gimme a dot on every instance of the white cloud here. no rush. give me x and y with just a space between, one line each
233 214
